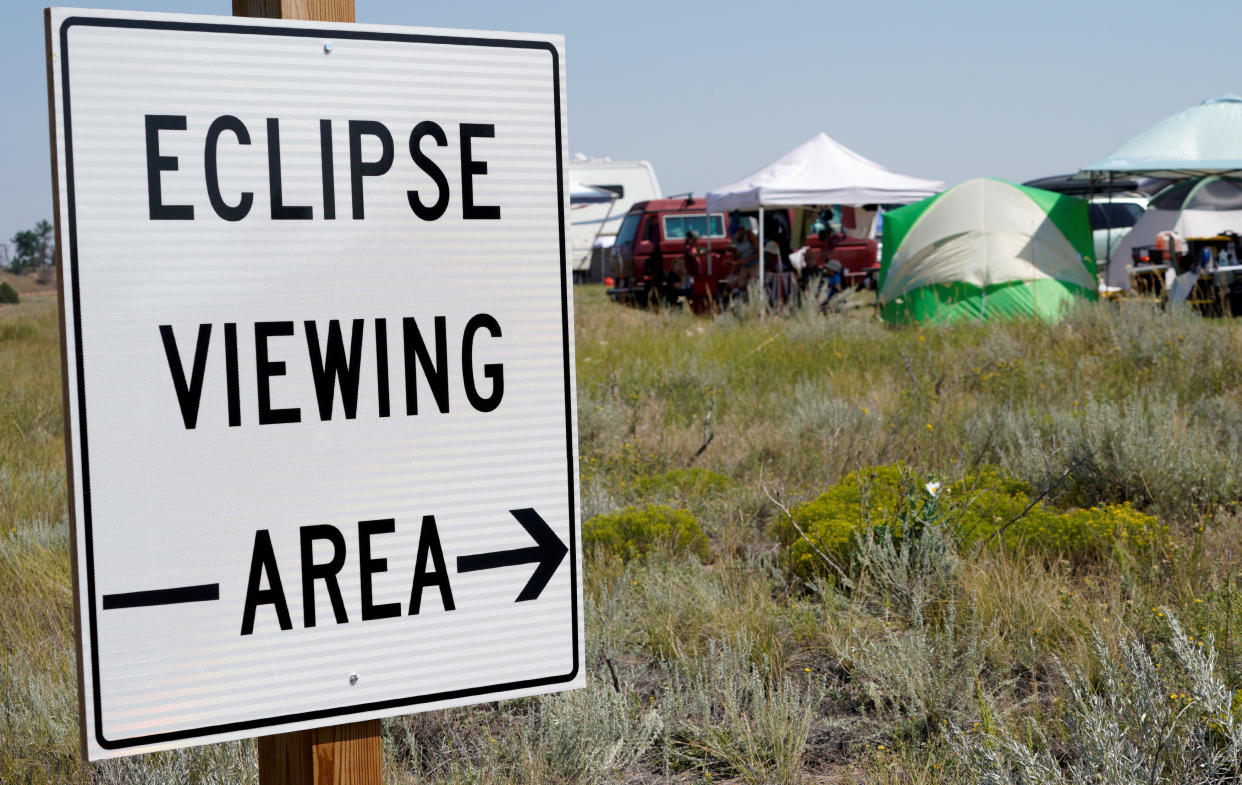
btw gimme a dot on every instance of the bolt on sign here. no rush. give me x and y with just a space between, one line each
318 372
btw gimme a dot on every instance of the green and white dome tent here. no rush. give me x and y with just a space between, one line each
986 249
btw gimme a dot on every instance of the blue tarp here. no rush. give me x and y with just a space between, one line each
1204 139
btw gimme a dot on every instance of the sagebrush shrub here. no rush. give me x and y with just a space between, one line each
592 735
727 715
635 531
8 295
1171 459
909 574
1130 721
926 673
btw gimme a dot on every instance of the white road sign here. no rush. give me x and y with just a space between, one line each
318 371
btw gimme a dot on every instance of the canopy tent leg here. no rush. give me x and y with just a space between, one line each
708 230
1108 235
763 292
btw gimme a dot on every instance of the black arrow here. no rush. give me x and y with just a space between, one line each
548 551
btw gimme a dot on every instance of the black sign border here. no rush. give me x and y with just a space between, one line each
304 32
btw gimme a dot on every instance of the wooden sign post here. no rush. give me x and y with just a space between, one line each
336 755
347 754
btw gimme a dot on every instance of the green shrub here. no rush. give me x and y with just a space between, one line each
635 531
1080 534
832 520
984 508
8 295
987 502
681 483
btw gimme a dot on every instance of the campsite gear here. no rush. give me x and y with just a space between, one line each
1194 208
1207 260
858 257
1215 284
986 249
1171 242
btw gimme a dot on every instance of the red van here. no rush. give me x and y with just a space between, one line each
652 236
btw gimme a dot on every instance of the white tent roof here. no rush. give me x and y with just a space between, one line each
1204 139
821 171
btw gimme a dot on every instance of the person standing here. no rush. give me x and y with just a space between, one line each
691 255
679 280
746 245
782 285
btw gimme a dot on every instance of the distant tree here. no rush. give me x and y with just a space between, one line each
32 248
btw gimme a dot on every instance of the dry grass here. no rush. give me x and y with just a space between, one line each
41 283
731 669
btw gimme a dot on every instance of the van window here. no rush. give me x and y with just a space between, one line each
1114 215
651 231
676 226
629 228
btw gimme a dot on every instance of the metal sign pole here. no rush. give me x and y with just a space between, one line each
347 754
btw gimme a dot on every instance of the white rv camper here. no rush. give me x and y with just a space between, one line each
593 222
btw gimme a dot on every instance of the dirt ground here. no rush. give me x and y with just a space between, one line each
31 283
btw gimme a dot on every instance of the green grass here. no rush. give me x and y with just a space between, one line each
32 464
735 667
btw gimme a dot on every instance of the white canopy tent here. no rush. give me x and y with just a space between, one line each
818 171
821 171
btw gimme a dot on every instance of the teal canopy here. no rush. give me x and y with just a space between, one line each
1204 139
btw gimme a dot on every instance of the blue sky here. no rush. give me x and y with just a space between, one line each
707 93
